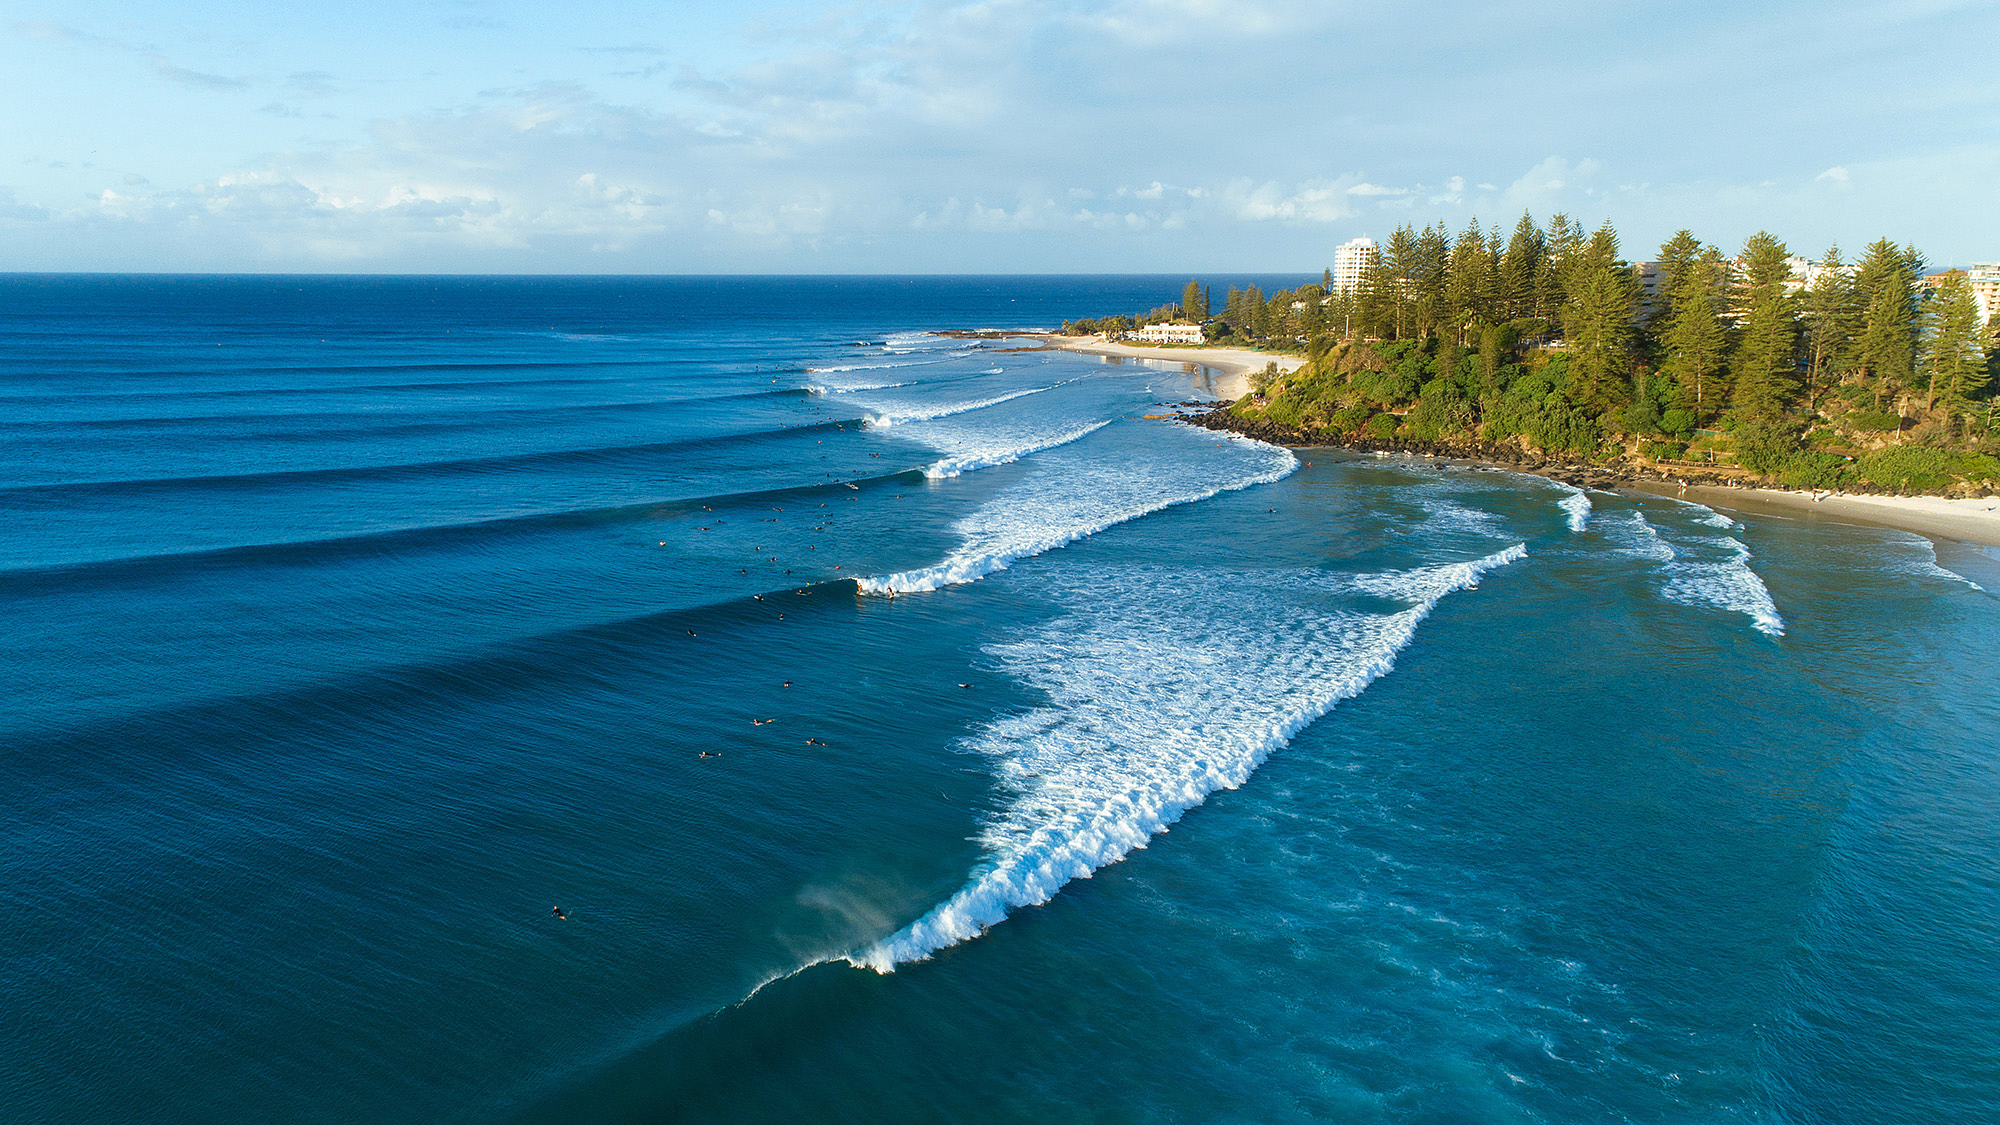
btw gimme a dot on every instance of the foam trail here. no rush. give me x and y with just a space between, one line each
1102 496
1729 585
1577 504
1643 540
991 456
899 415
1927 563
1147 719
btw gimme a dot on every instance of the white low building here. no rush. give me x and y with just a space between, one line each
1171 334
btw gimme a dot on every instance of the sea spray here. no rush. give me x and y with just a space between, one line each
1160 695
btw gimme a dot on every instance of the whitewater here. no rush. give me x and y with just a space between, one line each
1155 704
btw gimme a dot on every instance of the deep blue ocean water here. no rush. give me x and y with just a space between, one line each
912 730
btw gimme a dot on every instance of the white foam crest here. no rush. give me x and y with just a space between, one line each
1705 514
1926 563
828 388
1449 515
895 416
1055 513
1577 504
1639 537
1727 584
1006 452
1158 696
1429 583
843 378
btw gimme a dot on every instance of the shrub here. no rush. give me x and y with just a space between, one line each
1560 427
1350 419
1664 450
1765 448
1644 418
1875 421
1382 427
1922 468
1910 468
1810 469
1677 422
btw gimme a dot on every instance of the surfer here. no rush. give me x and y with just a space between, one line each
558 912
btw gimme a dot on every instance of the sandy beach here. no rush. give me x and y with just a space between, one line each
1974 521
1230 367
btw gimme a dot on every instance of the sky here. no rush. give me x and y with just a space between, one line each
999 136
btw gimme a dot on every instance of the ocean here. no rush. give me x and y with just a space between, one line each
910 728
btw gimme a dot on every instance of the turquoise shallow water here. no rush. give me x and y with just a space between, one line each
1126 772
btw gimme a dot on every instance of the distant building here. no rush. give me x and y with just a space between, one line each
1652 280
1351 262
1983 278
1803 272
1170 334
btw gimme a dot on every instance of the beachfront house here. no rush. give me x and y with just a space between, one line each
1170 334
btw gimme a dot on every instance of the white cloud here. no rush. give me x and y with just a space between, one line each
1312 201
958 134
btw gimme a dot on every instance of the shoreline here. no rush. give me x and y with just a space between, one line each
1966 520
1232 367
1971 521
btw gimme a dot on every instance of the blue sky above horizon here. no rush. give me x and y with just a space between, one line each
1033 136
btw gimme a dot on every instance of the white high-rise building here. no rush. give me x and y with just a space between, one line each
1350 262
1983 278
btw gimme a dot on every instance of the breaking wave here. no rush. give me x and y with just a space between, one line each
823 388
1004 453
1577 504
1922 560
895 416
1163 687
1714 571
1047 514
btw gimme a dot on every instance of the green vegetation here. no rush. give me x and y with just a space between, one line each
1755 364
